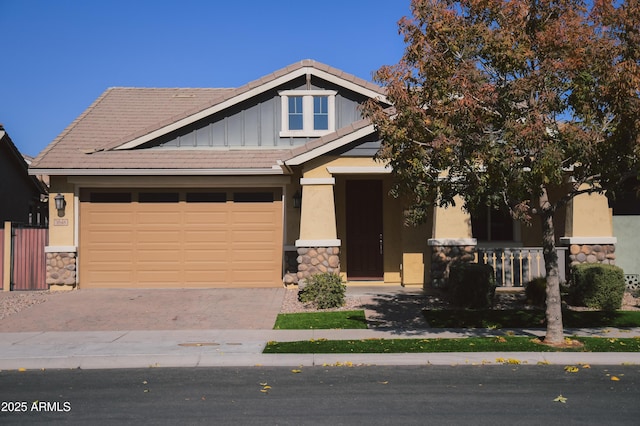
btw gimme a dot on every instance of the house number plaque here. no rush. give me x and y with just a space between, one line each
60 222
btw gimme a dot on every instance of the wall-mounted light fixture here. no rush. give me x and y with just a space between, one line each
297 199
60 204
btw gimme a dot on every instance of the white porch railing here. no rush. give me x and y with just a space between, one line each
515 266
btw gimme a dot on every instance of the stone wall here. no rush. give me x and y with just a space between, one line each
443 257
314 260
592 253
61 269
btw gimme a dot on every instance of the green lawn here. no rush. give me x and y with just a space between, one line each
527 318
321 320
467 344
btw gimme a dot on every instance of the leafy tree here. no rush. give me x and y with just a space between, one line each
522 104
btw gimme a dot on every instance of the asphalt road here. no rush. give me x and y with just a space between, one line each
336 395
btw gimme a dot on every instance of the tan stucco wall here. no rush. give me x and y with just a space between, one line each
589 215
61 228
452 222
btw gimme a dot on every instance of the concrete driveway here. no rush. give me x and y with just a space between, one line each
150 309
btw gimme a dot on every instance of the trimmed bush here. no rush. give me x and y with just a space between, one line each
536 291
325 290
472 285
597 286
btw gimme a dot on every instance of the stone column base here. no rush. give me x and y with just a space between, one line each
61 269
314 260
590 250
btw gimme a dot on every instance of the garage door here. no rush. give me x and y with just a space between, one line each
172 239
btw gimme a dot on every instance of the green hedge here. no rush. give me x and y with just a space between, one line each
325 290
472 285
536 291
597 286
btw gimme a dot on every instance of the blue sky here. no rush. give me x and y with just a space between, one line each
58 56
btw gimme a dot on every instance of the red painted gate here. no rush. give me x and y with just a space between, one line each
28 259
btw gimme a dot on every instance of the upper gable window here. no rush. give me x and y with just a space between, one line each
308 112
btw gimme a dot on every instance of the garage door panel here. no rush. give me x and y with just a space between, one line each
181 244
205 237
206 217
158 237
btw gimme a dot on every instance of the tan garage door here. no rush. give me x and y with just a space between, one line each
172 239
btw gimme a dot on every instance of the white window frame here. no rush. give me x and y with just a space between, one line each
307 111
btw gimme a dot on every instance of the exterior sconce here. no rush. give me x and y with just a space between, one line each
60 204
297 199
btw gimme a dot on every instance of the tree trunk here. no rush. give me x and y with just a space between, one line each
555 330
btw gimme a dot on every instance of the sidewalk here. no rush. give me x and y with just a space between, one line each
243 348
148 343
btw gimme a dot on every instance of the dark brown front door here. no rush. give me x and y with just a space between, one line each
364 229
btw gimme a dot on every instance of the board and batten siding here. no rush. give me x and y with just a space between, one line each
254 124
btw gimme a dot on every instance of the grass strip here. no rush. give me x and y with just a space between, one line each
321 320
527 318
467 344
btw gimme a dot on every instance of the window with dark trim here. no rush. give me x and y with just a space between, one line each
253 197
158 197
110 197
492 225
206 197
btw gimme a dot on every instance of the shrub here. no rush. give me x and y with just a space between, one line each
597 286
536 291
472 285
325 290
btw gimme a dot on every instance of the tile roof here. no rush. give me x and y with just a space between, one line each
122 114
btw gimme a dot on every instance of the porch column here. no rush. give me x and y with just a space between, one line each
318 246
452 241
589 230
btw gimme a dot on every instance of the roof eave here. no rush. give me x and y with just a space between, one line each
330 146
274 170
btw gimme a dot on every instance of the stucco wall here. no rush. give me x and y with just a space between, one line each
625 228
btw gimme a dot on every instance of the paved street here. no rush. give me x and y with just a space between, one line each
438 395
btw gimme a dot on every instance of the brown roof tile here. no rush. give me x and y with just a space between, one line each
123 114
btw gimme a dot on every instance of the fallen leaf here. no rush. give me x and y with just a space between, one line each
571 369
296 371
561 399
22 370
615 379
384 383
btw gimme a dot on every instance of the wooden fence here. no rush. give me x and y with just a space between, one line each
22 257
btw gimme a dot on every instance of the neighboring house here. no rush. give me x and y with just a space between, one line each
22 197
626 222
250 187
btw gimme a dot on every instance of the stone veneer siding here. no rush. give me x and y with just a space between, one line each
314 260
61 269
443 257
592 253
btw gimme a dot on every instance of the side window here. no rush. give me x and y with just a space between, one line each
295 113
320 112
492 225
